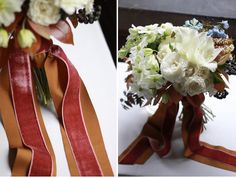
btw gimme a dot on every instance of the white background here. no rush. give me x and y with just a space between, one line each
93 60
221 131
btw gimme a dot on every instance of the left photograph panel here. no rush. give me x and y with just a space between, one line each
58 112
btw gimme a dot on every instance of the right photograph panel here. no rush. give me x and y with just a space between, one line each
176 87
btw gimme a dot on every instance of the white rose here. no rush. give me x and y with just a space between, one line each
173 67
44 12
8 9
194 85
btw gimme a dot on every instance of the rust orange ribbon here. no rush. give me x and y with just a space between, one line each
156 136
73 120
34 156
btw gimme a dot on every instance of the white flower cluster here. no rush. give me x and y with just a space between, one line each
181 56
187 61
137 35
43 12
146 72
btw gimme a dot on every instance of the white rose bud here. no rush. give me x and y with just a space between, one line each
173 67
4 38
44 12
168 27
26 38
195 85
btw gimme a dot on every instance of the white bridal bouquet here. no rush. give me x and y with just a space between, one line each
29 18
29 25
169 65
192 58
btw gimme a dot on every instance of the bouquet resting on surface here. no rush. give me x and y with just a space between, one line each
169 65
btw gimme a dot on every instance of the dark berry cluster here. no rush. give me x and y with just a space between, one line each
85 18
230 67
221 94
131 100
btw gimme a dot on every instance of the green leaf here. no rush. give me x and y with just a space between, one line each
171 47
165 98
216 78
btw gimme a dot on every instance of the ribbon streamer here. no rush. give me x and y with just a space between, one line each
156 137
23 122
72 117
25 112
22 154
200 151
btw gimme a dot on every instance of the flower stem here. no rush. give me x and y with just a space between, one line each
42 88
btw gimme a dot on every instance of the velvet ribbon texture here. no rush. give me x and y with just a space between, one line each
157 132
30 147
